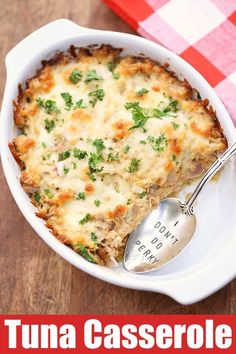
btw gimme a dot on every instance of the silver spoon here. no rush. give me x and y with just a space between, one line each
167 230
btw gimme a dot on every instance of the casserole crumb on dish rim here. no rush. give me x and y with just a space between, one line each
103 138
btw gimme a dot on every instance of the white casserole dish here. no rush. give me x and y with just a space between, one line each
203 267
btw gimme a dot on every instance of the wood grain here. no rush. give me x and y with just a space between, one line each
33 278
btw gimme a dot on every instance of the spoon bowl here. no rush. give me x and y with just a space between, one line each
163 234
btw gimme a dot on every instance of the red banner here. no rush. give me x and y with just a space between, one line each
121 333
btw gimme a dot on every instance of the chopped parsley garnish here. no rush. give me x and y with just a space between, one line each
93 237
111 66
98 96
142 195
158 144
92 75
116 76
80 104
64 155
85 219
68 100
141 92
37 197
112 157
93 102
175 125
94 160
79 154
140 115
44 145
97 202
40 102
174 158
126 149
134 165
129 201
81 196
49 125
75 76
84 252
49 105
66 170
46 157
143 142
74 165
91 176
48 193
99 144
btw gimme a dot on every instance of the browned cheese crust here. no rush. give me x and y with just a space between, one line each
103 139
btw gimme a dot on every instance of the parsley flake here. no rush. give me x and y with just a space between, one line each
66 170
92 75
79 154
48 193
81 196
111 66
74 165
93 237
80 104
68 100
158 144
140 114
141 92
175 125
174 158
75 76
37 197
134 166
94 160
116 75
98 96
49 105
85 219
84 252
126 149
49 125
143 194
99 144
112 157
64 155
40 102
97 202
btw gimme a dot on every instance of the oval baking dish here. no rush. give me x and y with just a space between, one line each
198 271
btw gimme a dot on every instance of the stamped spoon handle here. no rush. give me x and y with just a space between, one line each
187 207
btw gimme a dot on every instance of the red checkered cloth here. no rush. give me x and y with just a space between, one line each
203 32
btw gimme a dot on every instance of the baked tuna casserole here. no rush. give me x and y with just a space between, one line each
102 139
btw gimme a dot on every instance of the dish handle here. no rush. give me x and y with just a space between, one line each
39 40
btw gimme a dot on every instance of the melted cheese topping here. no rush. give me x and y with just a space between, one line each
104 139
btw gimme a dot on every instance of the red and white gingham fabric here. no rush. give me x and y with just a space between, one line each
203 32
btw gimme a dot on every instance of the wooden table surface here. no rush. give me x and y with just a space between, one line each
33 278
